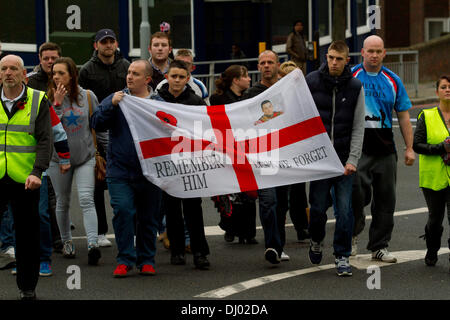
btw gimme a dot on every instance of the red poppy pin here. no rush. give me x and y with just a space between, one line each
20 105
167 118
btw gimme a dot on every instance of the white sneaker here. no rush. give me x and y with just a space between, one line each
284 257
68 249
10 252
103 241
383 255
354 246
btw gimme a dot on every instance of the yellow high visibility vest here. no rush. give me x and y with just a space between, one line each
17 141
433 172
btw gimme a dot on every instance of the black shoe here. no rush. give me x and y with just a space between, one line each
272 256
27 295
251 241
201 262
58 246
177 260
431 258
303 234
229 237
94 255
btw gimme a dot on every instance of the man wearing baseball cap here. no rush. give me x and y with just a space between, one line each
104 73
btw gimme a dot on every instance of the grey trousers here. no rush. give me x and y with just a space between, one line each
375 184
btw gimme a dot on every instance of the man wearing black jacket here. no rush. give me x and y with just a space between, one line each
24 156
268 64
104 73
48 53
340 101
178 91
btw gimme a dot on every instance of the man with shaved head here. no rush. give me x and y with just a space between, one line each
377 169
24 156
132 195
268 65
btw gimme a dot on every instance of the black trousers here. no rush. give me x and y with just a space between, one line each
52 210
25 209
99 200
191 209
436 201
292 198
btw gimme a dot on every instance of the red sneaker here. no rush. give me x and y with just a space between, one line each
147 270
121 271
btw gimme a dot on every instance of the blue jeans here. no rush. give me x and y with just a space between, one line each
319 192
130 198
268 216
45 226
7 235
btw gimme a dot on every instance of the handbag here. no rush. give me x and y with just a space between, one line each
100 162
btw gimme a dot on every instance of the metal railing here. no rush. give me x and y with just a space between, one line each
209 78
406 69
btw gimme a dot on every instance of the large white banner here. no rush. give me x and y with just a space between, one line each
276 138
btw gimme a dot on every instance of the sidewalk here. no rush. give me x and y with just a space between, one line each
426 94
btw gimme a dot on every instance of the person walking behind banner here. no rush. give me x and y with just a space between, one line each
296 46
195 84
293 196
159 48
104 73
178 91
48 53
377 171
25 120
432 142
71 103
135 200
340 101
241 223
268 65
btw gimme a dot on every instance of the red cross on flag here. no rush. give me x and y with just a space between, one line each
276 138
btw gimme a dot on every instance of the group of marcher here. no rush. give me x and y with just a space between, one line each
77 114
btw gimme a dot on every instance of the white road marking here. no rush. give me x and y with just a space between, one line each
216 231
361 262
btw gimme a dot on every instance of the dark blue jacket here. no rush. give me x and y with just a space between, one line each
122 159
336 99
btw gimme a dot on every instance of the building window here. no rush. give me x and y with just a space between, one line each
18 26
178 13
325 14
436 27
65 16
283 18
363 11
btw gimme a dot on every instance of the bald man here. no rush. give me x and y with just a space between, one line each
377 169
24 156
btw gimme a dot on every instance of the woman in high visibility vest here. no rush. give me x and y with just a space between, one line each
71 103
432 142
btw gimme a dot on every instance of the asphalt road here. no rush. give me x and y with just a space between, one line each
240 273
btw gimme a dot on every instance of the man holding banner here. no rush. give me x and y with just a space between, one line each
340 101
204 151
268 64
132 195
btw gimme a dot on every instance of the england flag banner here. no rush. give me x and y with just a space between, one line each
276 138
